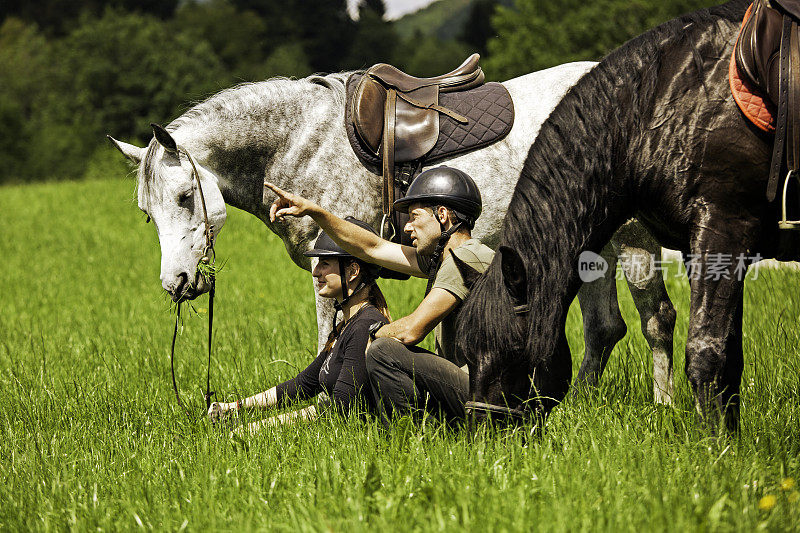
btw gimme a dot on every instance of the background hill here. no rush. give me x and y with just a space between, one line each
443 19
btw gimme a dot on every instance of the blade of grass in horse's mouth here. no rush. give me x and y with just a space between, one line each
209 271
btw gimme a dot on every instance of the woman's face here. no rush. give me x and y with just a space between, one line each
327 278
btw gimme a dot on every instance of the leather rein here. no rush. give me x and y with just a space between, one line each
517 414
208 258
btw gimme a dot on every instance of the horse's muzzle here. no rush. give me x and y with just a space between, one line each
191 290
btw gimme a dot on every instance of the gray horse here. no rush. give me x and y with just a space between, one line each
292 133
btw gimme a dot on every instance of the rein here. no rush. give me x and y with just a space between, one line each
208 258
516 414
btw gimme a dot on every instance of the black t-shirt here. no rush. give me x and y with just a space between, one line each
342 373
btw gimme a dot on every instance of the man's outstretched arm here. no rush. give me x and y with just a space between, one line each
354 239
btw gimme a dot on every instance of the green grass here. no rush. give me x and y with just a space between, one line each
91 436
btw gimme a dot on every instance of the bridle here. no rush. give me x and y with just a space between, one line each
208 258
517 414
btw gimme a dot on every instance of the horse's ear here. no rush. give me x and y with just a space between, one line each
515 276
133 153
164 138
468 274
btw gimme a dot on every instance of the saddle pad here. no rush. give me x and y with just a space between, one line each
490 111
755 105
488 108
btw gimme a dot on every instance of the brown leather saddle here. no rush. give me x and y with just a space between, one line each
397 122
767 55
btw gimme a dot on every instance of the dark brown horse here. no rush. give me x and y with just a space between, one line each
653 132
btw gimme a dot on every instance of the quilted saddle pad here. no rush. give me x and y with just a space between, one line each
755 105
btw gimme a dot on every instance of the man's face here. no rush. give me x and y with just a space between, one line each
423 226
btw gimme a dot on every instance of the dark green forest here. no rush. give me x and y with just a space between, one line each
72 71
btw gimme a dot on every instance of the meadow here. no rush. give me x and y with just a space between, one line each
91 437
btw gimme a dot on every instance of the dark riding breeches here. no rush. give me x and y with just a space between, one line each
409 379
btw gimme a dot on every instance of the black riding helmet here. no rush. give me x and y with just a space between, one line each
445 186
324 246
451 188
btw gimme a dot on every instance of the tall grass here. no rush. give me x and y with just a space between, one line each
91 436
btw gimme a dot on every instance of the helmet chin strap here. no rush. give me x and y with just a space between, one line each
339 306
437 253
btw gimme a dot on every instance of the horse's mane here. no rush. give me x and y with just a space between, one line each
564 187
232 102
236 101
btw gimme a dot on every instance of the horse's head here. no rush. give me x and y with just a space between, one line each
172 188
492 336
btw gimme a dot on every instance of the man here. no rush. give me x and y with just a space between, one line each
443 204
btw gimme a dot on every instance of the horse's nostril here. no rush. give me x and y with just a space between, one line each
181 287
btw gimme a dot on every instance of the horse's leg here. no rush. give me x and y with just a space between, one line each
551 385
638 252
603 326
714 358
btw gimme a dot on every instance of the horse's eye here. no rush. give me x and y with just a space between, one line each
185 197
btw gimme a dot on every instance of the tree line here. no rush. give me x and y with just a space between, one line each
72 71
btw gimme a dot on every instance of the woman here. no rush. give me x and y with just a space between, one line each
339 370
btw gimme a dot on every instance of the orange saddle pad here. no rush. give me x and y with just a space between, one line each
756 106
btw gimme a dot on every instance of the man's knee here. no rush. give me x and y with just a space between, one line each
379 353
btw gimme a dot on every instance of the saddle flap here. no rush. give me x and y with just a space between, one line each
758 47
792 7
416 129
367 111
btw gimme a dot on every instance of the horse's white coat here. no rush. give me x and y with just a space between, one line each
677 257
292 134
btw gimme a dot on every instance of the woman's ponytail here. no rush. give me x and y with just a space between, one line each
377 299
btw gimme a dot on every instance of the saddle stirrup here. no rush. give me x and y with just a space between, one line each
785 223
388 231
